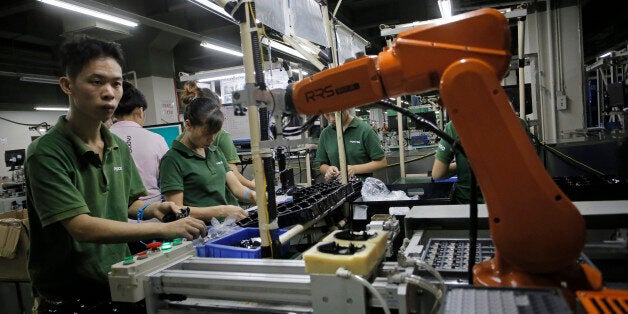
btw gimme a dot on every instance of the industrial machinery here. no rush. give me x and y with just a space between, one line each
537 236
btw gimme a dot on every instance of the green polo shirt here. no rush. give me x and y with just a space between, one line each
66 178
203 180
361 145
444 153
225 143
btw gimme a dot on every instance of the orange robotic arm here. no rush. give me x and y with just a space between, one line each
535 228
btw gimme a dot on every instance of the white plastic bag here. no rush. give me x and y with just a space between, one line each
375 190
220 229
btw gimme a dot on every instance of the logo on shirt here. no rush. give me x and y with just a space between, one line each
354 141
441 147
219 162
117 168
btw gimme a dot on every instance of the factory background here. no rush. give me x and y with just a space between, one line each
573 55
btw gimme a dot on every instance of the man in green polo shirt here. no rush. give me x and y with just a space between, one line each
363 151
448 163
82 184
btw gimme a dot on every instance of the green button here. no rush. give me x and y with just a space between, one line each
176 241
128 260
166 246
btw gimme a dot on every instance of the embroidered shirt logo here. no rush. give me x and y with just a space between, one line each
354 141
117 168
219 162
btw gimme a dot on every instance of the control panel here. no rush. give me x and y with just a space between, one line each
126 277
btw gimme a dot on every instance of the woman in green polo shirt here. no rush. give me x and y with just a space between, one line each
196 174
191 91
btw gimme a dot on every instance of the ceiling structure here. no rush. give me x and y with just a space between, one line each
31 32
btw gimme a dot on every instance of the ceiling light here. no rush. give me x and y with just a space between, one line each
40 79
283 48
221 49
44 108
214 8
608 54
445 8
218 78
81 8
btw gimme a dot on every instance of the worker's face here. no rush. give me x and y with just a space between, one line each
199 136
96 90
331 117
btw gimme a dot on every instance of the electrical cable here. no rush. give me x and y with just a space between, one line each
428 286
345 273
421 121
19 123
412 160
566 157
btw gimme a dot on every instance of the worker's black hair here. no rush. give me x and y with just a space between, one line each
131 98
204 112
79 50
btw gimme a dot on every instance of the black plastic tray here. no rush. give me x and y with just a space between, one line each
430 193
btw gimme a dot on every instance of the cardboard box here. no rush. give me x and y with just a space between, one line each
14 243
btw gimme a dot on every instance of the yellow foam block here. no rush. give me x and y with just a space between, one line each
360 263
379 240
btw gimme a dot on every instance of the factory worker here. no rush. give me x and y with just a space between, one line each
82 185
223 141
196 174
363 150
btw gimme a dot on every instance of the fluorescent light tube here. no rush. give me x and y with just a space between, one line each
91 12
40 79
44 108
283 48
221 49
214 8
608 54
445 8
222 77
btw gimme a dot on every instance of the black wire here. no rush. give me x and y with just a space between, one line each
308 124
455 144
473 225
546 149
19 123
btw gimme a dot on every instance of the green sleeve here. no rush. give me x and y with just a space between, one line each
224 161
54 195
226 146
444 151
170 175
321 151
373 145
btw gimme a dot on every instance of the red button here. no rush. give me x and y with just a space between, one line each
153 245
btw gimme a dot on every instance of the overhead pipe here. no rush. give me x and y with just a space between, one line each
551 65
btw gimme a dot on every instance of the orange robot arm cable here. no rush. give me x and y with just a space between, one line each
535 227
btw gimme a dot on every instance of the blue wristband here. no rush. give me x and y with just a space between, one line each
140 212
246 194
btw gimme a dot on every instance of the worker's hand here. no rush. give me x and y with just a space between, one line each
238 212
188 227
164 208
350 171
331 172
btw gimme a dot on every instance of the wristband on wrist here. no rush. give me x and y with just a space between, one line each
247 192
140 212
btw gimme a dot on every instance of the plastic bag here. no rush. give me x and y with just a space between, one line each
375 190
220 229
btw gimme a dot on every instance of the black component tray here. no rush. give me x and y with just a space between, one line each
593 188
452 255
430 193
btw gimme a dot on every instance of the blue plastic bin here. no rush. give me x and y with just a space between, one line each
223 247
